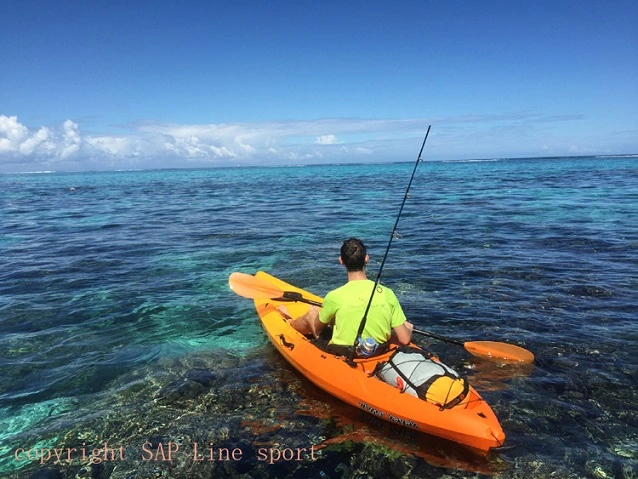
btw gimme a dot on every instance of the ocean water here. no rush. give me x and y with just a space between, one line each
117 324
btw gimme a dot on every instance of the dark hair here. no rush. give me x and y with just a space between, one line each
353 254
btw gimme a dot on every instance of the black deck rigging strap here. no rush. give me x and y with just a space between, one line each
423 388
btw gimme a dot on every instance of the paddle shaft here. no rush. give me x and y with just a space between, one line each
440 338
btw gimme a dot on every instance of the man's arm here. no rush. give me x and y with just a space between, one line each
309 323
403 332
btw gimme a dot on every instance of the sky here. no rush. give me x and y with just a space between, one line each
109 85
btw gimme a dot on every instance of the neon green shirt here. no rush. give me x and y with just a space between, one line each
347 304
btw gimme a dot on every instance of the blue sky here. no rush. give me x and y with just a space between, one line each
121 84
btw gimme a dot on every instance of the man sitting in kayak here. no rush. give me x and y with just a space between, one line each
346 305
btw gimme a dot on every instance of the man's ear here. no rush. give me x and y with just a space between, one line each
340 260
367 258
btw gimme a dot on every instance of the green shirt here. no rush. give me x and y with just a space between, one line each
347 304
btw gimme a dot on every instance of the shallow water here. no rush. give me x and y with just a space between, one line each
117 323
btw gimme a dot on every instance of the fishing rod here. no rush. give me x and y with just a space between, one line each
362 324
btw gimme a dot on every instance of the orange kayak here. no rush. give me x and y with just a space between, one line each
472 423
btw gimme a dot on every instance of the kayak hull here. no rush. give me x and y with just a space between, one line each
472 423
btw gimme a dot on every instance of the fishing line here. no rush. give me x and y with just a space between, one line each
394 234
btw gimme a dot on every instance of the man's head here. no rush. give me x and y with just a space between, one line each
353 255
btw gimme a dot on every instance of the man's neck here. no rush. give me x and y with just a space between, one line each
356 275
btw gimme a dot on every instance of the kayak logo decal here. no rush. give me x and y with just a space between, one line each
371 410
403 422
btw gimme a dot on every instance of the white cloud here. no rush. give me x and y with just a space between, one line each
38 141
17 141
326 140
153 144
66 146
71 139
192 147
113 145
12 134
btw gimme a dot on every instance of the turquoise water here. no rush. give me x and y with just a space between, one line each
114 285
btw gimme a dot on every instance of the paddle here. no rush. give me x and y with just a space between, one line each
490 350
252 287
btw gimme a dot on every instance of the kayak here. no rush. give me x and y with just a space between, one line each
471 422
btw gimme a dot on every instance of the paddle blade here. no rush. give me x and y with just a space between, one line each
495 351
251 287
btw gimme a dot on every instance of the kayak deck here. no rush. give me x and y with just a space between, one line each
471 423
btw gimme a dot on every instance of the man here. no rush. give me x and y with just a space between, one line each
346 305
